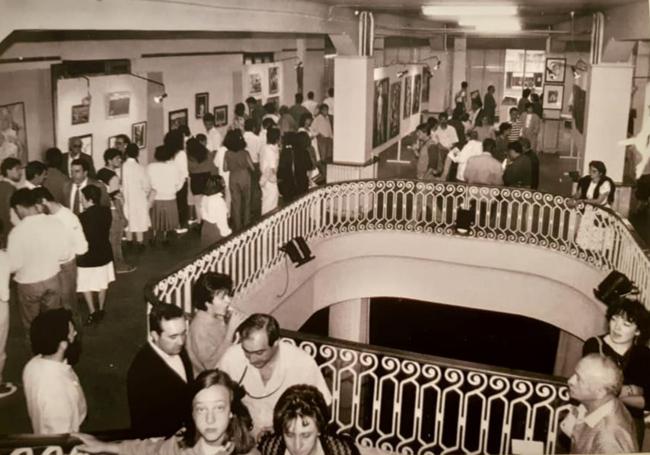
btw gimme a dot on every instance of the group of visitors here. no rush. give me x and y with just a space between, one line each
225 381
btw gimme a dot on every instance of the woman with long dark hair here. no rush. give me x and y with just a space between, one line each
214 212
201 166
165 183
238 163
222 425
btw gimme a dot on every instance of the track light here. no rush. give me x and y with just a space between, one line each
401 74
159 99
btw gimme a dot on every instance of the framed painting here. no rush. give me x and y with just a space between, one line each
118 104
80 114
13 132
177 118
255 83
111 142
408 81
86 143
555 69
553 97
380 117
274 80
139 134
275 100
417 93
221 115
394 111
201 104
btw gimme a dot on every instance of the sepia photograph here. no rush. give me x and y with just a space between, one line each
119 104
139 134
201 104
177 118
221 115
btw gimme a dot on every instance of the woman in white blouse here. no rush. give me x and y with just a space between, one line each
269 168
214 212
166 181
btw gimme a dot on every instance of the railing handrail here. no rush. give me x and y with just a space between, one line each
150 285
426 358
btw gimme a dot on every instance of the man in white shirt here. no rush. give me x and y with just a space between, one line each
472 148
76 238
35 253
330 101
254 146
159 378
310 104
266 367
322 127
447 139
212 133
6 388
55 400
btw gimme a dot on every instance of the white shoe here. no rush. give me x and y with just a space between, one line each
181 230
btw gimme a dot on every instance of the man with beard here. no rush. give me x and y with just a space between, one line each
55 400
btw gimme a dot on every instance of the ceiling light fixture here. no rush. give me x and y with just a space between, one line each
469 10
492 24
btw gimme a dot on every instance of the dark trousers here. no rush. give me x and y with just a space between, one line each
256 193
181 204
240 199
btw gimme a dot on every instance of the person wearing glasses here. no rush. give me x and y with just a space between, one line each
76 153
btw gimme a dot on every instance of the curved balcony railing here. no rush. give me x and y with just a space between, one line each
594 235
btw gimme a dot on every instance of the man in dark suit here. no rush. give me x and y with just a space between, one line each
80 178
56 179
75 153
158 390
490 105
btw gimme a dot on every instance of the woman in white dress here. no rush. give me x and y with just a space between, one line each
268 168
135 189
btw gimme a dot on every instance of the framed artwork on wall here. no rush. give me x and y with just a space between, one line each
555 70
13 130
80 114
255 84
201 104
407 96
86 143
394 112
417 93
139 134
177 118
275 100
111 142
274 80
380 118
221 115
553 97
118 104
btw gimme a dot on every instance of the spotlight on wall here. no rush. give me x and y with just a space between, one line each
401 74
464 220
298 251
576 74
159 99
615 285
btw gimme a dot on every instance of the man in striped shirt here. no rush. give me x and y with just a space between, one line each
516 123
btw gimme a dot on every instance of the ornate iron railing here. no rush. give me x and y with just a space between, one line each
594 235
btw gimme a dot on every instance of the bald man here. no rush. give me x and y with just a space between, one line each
600 424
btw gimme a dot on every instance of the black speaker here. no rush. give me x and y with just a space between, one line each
464 220
298 251
615 285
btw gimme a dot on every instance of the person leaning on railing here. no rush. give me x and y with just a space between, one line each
221 425
300 425
624 343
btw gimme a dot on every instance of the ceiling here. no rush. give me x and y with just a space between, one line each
535 14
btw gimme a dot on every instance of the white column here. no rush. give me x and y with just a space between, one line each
350 320
459 68
569 351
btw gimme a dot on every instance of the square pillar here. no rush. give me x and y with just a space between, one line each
353 91
350 320
459 67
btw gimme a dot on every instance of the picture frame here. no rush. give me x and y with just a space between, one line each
111 141
408 81
553 98
201 104
139 134
275 100
255 84
118 104
80 114
380 113
417 93
177 118
394 114
86 143
274 80
555 70
221 115
15 135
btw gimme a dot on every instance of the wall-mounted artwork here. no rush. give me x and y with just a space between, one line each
555 70
139 134
274 80
417 93
408 81
118 104
426 87
86 143
13 132
177 118
221 115
255 83
275 100
553 97
201 104
111 142
80 114
394 112
380 118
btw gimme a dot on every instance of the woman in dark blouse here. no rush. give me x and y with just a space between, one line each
625 344
95 268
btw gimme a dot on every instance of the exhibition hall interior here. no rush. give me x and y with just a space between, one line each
324 227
